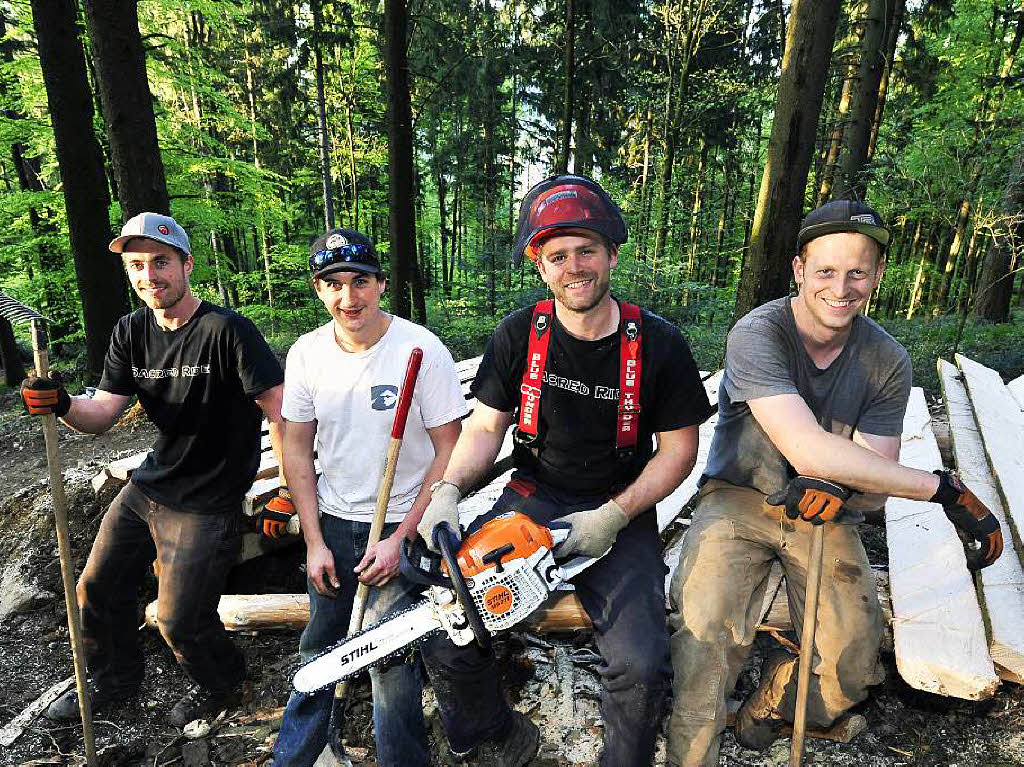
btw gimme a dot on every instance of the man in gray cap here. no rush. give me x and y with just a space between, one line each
810 415
203 374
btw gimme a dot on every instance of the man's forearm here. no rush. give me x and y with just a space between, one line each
474 453
91 417
662 474
302 478
408 526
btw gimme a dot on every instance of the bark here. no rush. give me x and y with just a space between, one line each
891 38
835 143
565 142
995 284
767 271
101 281
321 111
127 105
852 179
402 213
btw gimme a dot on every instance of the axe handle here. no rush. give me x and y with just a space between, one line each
803 677
67 568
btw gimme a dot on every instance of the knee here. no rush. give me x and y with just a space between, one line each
173 629
646 667
441 655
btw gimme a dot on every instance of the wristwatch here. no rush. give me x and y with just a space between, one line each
440 482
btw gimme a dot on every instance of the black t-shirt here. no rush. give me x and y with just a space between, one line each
579 399
197 385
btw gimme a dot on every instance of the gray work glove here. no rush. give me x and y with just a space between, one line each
443 507
593 532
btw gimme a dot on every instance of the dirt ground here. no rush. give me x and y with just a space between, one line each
554 680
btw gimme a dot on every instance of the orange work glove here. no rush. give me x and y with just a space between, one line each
273 521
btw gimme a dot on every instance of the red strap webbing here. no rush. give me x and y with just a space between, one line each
533 373
630 336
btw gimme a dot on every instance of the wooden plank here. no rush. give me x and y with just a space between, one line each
1002 583
14 728
939 636
1001 423
1016 387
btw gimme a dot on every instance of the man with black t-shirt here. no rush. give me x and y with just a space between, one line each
202 374
605 380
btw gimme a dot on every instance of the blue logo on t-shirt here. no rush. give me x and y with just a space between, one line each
383 397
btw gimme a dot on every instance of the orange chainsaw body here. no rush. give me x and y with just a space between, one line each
511 528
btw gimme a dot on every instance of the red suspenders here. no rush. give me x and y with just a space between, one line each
630 337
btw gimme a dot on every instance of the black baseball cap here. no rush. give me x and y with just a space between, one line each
343 250
566 202
843 216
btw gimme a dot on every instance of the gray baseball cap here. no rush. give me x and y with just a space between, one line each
152 226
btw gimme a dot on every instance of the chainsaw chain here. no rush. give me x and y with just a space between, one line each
383 661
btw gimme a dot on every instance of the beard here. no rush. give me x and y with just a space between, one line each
171 296
583 302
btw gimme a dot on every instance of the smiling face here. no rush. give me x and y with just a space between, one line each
836 274
157 272
353 299
576 267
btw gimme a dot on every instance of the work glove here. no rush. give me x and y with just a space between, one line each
969 514
43 396
812 499
593 532
273 521
443 507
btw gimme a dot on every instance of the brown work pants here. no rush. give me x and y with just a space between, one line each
716 595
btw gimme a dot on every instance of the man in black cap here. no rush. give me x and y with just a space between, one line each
341 387
202 374
591 381
810 415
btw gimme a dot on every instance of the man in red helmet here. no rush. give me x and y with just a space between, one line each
591 382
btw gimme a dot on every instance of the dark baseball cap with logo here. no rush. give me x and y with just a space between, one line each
566 202
843 216
152 226
343 250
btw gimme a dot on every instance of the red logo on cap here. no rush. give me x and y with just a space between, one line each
163 229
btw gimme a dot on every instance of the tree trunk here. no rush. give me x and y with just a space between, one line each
101 281
995 285
835 143
767 271
892 36
321 111
402 214
953 258
565 143
127 105
864 102
10 358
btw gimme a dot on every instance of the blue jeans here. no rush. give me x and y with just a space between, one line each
397 692
624 595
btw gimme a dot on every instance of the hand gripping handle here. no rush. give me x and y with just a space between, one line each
448 544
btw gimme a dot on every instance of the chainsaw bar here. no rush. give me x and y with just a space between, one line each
384 640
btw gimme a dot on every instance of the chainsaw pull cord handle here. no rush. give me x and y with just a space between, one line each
447 543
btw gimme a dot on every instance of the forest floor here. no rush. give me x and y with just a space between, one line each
554 680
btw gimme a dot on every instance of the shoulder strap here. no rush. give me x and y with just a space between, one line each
628 420
533 373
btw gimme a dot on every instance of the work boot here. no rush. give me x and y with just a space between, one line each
65 708
514 748
758 723
201 703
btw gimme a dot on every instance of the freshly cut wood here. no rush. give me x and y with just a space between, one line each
939 639
1002 583
14 728
1016 387
248 612
123 467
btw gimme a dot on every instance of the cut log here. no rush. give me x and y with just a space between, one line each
1001 423
13 729
939 639
1016 387
250 612
1002 583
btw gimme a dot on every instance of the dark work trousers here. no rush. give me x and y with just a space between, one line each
193 553
624 595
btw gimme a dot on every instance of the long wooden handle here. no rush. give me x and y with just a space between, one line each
803 678
412 371
67 568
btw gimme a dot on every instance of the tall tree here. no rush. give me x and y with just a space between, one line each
565 142
995 284
401 175
321 112
766 270
101 280
127 105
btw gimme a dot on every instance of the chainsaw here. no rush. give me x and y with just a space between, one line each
496 578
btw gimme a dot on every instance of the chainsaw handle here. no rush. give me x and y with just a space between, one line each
448 543
421 565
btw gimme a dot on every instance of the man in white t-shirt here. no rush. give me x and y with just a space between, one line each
342 383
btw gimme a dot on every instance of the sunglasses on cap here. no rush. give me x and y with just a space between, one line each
350 253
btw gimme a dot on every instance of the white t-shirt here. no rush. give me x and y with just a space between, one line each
352 397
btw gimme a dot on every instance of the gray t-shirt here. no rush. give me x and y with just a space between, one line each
864 389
